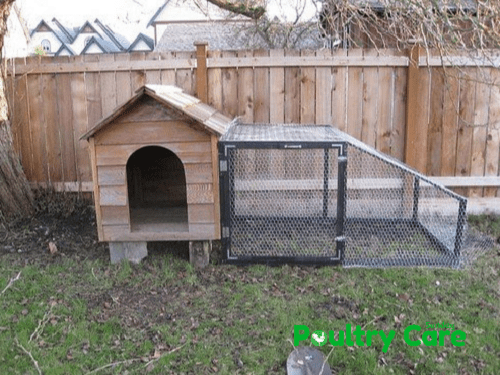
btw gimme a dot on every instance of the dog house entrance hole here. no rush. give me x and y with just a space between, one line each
157 191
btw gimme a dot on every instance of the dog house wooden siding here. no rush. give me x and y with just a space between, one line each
165 117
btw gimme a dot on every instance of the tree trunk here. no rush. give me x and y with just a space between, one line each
16 198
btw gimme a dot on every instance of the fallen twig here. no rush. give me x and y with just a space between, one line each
41 325
35 362
126 362
164 354
11 281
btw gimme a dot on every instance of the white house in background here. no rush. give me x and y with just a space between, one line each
178 24
54 39
142 43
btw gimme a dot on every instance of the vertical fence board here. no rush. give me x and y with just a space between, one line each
215 83
108 87
384 113
369 118
21 126
493 137
481 112
435 136
450 121
245 90
261 91
186 78
37 126
65 123
137 77
399 118
292 91
153 76
277 90
80 125
167 76
230 88
123 84
54 155
323 110
339 94
307 91
355 98
465 123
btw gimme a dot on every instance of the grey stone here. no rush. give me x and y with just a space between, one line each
133 251
199 253
305 360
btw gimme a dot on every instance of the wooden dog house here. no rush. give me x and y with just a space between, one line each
155 170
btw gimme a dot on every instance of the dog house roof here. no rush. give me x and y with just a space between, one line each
211 119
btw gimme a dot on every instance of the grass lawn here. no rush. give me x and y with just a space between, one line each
74 313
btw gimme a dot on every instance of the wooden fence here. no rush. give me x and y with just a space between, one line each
443 121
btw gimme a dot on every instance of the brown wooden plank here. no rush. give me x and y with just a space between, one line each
216 186
201 213
80 125
123 83
137 75
417 112
194 152
450 122
292 91
54 154
167 75
323 110
65 124
277 90
369 118
435 137
245 90
111 175
399 120
215 83
115 215
149 132
116 195
37 126
197 232
493 135
97 196
307 78
230 88
199 193
355 98
186 78
261 91
21 125
108 87
199 173
153 76
481 113
339 94
465 125
385 110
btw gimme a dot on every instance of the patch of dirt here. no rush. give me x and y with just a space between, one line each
66 221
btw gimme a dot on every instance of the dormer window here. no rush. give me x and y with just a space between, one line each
87 40
46 46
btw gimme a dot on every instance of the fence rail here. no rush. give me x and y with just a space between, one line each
447 119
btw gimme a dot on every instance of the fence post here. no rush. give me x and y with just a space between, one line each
201 71
417 104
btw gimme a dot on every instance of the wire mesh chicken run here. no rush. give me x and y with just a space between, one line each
315 195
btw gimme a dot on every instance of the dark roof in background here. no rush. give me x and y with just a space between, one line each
146 39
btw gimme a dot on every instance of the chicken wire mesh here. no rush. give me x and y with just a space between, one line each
312 194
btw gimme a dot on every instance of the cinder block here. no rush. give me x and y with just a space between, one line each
133 251
199 253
